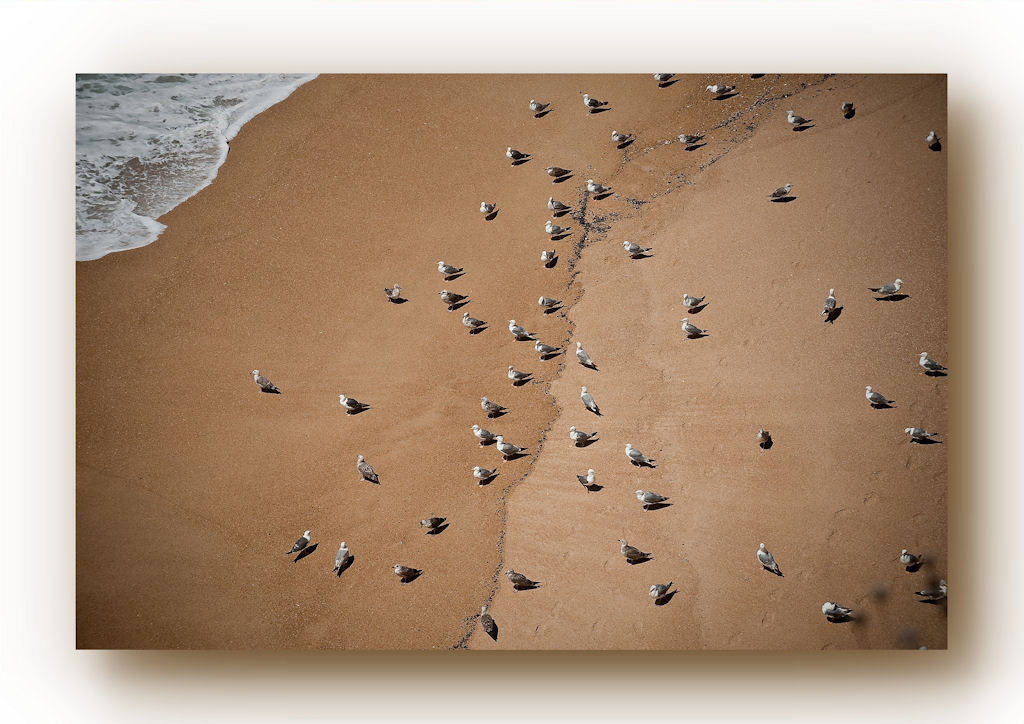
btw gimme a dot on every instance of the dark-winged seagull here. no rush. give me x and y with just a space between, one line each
265 384
299 544
366 470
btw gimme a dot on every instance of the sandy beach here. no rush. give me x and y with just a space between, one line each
192 485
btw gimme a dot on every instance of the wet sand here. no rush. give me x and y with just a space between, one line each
191 484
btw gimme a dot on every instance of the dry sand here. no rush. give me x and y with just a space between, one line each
192 485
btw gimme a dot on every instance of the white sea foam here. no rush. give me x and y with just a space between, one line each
145 143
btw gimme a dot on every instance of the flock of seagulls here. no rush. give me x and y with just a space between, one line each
649 500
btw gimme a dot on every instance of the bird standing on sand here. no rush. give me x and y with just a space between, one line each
596 188
447 269
394 293
519 581
633 555
545 350
433 522
483 473
795 120
265 384
929 365
587 480
548 302
486 208
351 404
692 330
933 594
919 434
638 458
548 256
833 611
830 303
491 408
406 572
536 106
588 401
451 298
555 229
660 590
876 398
507 449
592 103
690 139
579 437
583 357
557 205
649 498
763 438
518 376
781 192
932 139
621 138
635 250
720 90
515 155
518 332
484 436
557 171
300 544
767 560
909 560
692 302
888 289
662 77
847 108
342 558
472 322
487 623
366 470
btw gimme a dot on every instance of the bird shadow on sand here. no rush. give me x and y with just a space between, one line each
626 144
882 406
487 481
345 566
492 216
846 618
552 310
543 113
702 335
559 237
496 415
639 561
661 601
915 567
453 277
478 330
784 199
755 76
307 551
270 392
850 113
805 127
560 214
593 488
458 305
667 83
360 411
725 96
777 573
931 602
694 147
411 577
518 455
698 309
595 111
603 195
767 444
833 315
937 146
521 161
551 264
639 464
640 256
485 443
591 366
526 587
520 383
926 441
892 298
936 373
657 506
587 443
494 632
562 179
398 300
439 529
552 355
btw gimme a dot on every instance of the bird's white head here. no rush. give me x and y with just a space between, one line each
629 446
306 534
398 567
344 545
510 368
586 96
359 459
898 282
572 429
579 345
540 300
590 180
475 428
507 150
465 314
831 292
685 320
255 373
904 552
639 492
500 439
761 546
908 430
924 354
582 390
590 471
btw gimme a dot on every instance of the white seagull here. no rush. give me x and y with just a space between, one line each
621 137
555 229
517 331
795 120
583 357
300 543
448 269
833 610
830 303
588 401
918 433
490 407
483 473
876 398
932 138
366 470
692 330
507 449
596 188
721 90
483 435
781 192
587 480
767 560
545 350
517 376
393 293
351 404
557 205
660 590
635 250
579 437
929 365
909 560
341 558
265 384
486 208
592 103
632 554
691 302
536 106
548 302
472 322
548 256
648 498
888 289
662 77
638 458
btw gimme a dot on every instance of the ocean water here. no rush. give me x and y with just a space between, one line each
144 143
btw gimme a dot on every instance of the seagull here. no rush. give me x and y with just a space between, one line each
660 590
689 139
833 610
486 208
520 581
781 192
763 437
549 302
909 560
596 188
342 558
405 572
662 77
351 404
265 384
548 256
795 120
692 330
621 137
557 171
545 350
649 498
637 457
917 433
876 398
579 437
583 357
393 293
517 376
846 108
592 103
483 473
932 138
483 435
515 155
451 298
587 480
472 322
721 90
432 523
366 470
929 365
486 622
536 106
635 250
887 289
830 303
933 594
491 408
517 331
448 269
557 205
633 554
555 229
588 401
691 302
300 543
767 560
507 449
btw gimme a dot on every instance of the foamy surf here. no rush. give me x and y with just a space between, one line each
145 143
